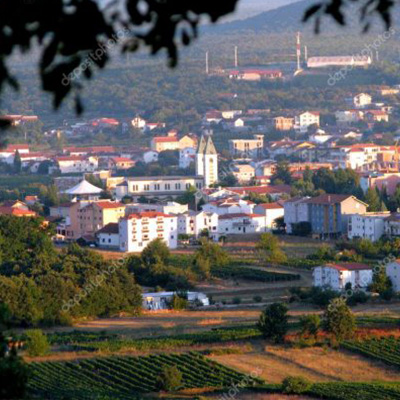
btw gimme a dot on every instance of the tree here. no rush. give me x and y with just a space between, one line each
228 180
295 385
72 49
14 373
269 249
273 322
155 251
170 378
17 162
338 319
282 173
373 200
380 281
36 342
310 324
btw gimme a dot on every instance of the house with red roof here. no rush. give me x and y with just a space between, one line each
163 143
240 224
77 164
120 163
270 211
337 275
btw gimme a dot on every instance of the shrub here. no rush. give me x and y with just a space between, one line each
257 299
339 320
179 302
170 378
357 297
387 294
295 385
236 300
310 324
36 342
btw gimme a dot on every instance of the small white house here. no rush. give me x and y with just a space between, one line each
108 236
271 211
367 226
239 224
361 100
161 300
393 272
194 222
187 156
150 156
336 275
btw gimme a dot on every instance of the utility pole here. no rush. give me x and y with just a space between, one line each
305 54
236 57
298 51
207 64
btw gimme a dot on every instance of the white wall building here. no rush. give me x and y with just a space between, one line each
270 211
77 164
150 156
193 223
161 300
187 156
336 275
137 230
108 236
306 119
295 211
361 100
240 223
229 206
367 226
393 272
169 207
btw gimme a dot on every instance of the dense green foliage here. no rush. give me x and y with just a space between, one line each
41 285
273 322
36 342
338 319
122 377
170 378
295 385
270 250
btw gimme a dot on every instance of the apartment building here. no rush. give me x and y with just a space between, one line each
253 148
136 231
362 100
270 211
241 223
369 226
77 164
230 205
393 272
337 275
283 123
303 121
194 223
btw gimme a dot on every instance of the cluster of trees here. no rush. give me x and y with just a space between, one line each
338 322
156 267
41 286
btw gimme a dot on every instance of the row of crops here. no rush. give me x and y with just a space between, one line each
170 342
386 349
356 391
123 377
238 272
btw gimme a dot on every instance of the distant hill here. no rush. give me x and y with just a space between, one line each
288 19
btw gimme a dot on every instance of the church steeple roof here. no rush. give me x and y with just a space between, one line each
201 146
210 148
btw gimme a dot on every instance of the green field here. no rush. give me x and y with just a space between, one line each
124 377
382 349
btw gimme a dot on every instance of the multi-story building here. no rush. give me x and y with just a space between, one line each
196 222
244 173
393 273
169 207
367 226
392 225
253 148
362 100
337 275
157 186
120 163
77 164
136 231
108 236
270 211
241 223
229 206
283 123
295 211
329 213
303 121
380 180
187 156
163 143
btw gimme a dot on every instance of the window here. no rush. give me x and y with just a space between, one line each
156 186
167 186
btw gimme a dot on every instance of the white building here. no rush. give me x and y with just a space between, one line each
187 156
7 154
108 236
393 272
244 173
295 211
367 226
138 123
77 164
150 156
207 161
305 120
240 223
194 223
270 211
169 207
157 186
361 100
336 275
161 300
136 231
229 206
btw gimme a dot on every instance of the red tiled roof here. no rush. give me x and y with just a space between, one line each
108 204
70 158
122 159
16 212
348 266
261 189
165 139
148 214
270 206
